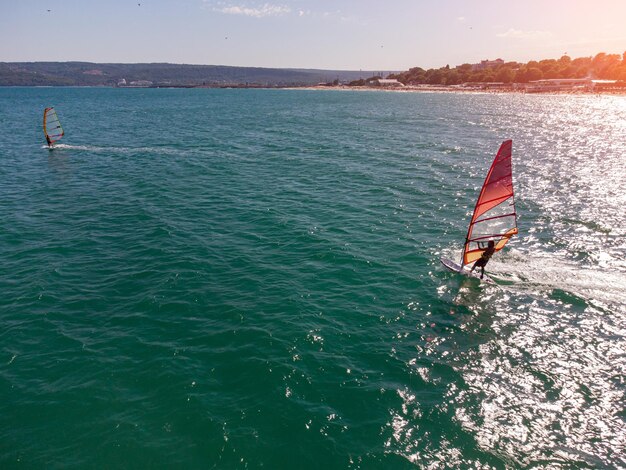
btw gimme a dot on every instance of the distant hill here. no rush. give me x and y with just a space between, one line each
162 74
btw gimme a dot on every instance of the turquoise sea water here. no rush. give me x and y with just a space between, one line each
251 279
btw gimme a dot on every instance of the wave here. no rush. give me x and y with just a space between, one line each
546 273
118 150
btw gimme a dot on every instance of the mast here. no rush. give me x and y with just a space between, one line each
494 217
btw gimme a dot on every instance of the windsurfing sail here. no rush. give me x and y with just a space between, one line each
52 126
494 216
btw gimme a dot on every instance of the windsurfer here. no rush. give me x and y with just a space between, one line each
484 258
49 141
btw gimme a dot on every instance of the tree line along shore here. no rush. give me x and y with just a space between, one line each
602 66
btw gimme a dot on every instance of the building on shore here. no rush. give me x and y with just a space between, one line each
387 82
560 84
486 64
141 83
567 84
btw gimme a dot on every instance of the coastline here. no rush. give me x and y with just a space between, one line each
444 89
405 89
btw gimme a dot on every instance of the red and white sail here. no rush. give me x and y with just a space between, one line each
494 216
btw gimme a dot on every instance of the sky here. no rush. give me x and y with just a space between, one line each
378 35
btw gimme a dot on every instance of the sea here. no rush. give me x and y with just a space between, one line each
245 278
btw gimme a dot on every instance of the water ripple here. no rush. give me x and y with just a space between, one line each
246 278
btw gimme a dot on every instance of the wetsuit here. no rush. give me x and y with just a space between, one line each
484 258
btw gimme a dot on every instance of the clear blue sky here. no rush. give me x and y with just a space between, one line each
381 35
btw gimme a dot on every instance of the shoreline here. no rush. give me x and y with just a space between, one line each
405 89
444 89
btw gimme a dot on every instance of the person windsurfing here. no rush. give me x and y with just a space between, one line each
484 258
52 127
